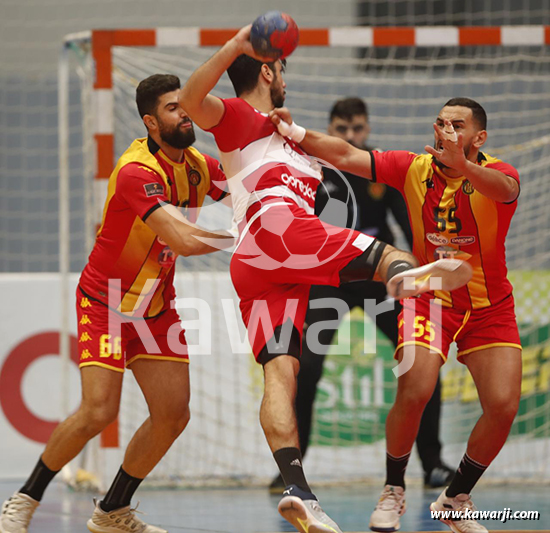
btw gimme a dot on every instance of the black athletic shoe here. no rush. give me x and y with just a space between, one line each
440 476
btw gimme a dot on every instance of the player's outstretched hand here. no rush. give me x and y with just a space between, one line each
245 46
451 153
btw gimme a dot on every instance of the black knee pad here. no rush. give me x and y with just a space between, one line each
363 267
277 346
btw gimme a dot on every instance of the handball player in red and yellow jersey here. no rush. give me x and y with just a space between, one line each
460 202
124 309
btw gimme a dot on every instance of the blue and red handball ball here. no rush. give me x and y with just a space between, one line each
274 35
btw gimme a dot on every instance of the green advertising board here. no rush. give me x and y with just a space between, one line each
358 386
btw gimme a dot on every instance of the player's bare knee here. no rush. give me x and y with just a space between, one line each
414 397
282 368
172 420
502 409
178 423
97 417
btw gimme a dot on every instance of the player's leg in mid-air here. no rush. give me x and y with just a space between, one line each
274 290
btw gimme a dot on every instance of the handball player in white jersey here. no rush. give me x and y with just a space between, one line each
283 248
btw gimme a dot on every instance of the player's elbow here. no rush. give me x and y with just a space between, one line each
188 102
186 246
355 161
511 191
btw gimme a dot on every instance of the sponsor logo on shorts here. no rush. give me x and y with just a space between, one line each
437 239
305 190
463 241
154 189
194 177
85 354
85 302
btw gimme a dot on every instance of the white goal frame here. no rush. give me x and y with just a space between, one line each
100 44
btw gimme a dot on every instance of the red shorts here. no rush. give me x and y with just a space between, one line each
107 339
282 252
435 326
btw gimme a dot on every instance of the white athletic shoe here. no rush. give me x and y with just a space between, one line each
460 503
306 515
390 507
124 519
17 513
453 273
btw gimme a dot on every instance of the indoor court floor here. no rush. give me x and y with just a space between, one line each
255 510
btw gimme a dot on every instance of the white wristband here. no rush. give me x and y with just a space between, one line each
295 132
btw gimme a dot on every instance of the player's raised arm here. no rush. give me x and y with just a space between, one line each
500 185
183 237
205 109
335 151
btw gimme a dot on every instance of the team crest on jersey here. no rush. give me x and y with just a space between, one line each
194 177
467 187
154 189
166 257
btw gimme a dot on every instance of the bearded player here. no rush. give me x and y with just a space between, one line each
123 307
273 183
460 202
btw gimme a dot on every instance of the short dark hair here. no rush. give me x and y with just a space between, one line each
347 108
151 89
244 73
478 112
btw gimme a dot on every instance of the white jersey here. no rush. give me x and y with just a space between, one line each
260 163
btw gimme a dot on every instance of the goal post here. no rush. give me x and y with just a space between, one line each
405 74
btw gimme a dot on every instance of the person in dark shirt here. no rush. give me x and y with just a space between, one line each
368 214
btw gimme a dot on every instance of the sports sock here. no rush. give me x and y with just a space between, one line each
38 481
466 477
395 469
120 494
289 461
396 267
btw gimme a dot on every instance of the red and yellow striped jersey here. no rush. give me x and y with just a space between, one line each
449 218
126 249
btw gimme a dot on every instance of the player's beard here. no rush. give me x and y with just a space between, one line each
277 94
175 137
441 165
